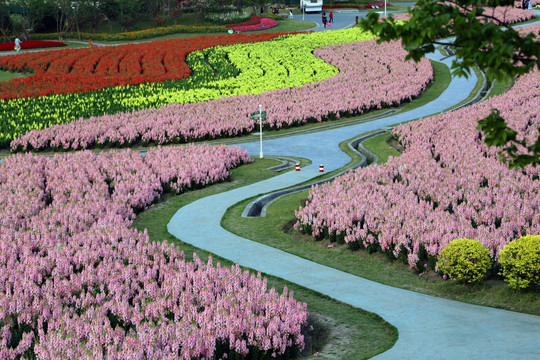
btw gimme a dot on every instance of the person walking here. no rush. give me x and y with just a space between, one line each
18 44
331 17
324 20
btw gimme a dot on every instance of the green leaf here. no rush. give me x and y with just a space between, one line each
496 130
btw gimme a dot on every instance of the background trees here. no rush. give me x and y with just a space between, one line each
62 15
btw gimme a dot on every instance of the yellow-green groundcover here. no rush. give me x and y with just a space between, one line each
287 61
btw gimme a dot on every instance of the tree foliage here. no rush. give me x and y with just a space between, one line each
478 37
5 21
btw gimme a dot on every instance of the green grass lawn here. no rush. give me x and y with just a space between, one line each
6 75
351 333
380 145
500 87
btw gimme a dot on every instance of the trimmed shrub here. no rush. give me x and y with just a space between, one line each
520 262
464 260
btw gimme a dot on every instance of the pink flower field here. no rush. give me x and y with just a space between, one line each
371 77
265 23
76 282
447 184
508 14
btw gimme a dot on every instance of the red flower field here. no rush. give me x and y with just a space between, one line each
88 69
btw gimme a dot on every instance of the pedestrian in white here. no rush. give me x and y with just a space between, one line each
290 14
18 44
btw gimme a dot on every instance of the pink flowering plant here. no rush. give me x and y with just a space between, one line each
265 23
447 184
507 14
77 282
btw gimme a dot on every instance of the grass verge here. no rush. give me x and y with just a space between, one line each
380 145
500 87
352 333
7 75
276 230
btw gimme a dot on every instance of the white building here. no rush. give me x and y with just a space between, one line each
312 5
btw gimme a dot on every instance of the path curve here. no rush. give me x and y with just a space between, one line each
429 327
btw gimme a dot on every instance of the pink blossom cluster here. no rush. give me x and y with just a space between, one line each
507 14
534 28
76 282
371 76
265 23
447 184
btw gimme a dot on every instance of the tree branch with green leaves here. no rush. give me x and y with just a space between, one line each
479 37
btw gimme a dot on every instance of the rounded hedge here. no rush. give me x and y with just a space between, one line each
464 260
520 262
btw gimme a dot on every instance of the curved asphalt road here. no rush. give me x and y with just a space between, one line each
429 327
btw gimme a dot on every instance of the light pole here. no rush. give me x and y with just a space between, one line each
259 115
260 127
384 7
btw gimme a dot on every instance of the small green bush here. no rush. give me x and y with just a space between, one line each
520 262
464 260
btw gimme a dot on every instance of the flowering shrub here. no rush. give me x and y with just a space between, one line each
508 14
447 184
31 44
265 23
77 282
253 20
253 24
520 262
400 16
367 71
464 260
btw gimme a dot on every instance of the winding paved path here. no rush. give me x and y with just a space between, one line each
429 327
